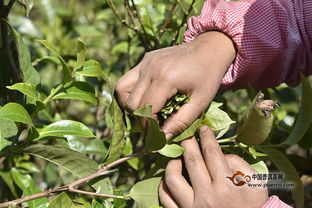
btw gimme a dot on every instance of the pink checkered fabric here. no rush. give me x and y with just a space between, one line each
275 202
272 37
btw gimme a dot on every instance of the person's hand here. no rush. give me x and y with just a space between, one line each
195 69
208 172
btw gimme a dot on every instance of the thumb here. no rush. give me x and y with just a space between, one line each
185 116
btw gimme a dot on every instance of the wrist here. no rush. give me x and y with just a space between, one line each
216 47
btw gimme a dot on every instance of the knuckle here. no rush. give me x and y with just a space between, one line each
179 125
210 151
171 179
192 159
231 157
119 88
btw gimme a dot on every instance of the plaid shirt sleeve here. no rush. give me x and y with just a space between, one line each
275 202
272 38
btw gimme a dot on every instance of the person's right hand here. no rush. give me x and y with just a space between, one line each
195 69
212 175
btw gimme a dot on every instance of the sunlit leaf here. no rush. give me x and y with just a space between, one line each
155 138
81 54
61 201
171 150
290 173
91 68
145 192
118 141
65 127
78 91
218 120
7 129
304 117
23 181
67 76
260 167
36 203
76 163
190 131
27 89
30 75
15 112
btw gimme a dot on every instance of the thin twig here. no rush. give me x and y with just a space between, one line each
167 21
104 170
174 41
123 21
96 194
4 12
9 6
137 15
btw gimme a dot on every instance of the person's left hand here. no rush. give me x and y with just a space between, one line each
208 172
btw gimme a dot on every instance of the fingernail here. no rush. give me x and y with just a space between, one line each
204 128
169 136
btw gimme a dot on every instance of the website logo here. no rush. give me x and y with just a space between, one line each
239 178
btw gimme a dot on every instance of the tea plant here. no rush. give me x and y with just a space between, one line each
65 141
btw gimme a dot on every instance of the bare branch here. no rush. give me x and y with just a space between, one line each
9 6
167 21
186 13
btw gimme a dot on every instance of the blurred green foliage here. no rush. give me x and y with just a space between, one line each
61 126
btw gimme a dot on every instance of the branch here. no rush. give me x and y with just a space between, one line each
123 21
9 6
137 15
167 21
104 170
4 12
186 13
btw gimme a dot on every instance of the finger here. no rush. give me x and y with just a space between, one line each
157 95
237 163
213 155
125 84
185 116
195 165
179 188
137 92
165 197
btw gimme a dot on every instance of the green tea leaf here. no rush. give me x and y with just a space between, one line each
304 118
290 173
171 150
218 120
78 91
28 4
260 167
67 76
155 138
91 68
7 129
15 112
190 131
61 201
36 203
27 89
30 75
76 163
118 141
65 127
145 192
81 54
119 203
8 179
23 181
